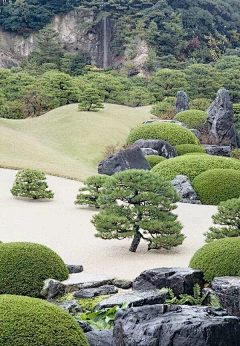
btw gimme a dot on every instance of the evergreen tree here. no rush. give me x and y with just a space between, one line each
90 101
138 204
227 219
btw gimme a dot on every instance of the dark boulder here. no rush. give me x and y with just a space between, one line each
218 150
71 306
180 280
74 268
51 289
220 120
122 161
94 292
100 337
149 151
166 325
163 148
184 188
123 284
182 102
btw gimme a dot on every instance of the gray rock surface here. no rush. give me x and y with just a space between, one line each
94 292
149 151
218 150
124 284
79 281
227 288
71 306
196 133
180 280
123 160
74 268
220 120
182 101
100 337
184 188
85 326
165 121
52 288
163 148
165 325
134 298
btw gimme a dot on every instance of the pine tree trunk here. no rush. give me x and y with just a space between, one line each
135 242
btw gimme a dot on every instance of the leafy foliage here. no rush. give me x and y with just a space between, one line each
89 304
30 183
153 160
227 220
145 211
165 109
25 266
186 299
90 101
194 119
200 104
183 149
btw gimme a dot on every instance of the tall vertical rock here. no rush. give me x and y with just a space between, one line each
182 102
220 121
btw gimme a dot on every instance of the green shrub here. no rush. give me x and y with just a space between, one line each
25 266
193 165
165 109
217 185
200 103
30 183
235 154
153 160
219 258
193 118
172 133
28 321
196 153
183 149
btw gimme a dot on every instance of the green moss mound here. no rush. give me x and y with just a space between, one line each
153 160
193 118
183 149
217 185
193 165
28 321
196 153
219 258
25 266
172 133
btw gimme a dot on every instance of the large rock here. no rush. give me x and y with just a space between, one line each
218 150
149 151
74 268
163 148
79 281
100 337
180 280
165 325
134 298
51 289
94 292
71 306
220 120
176 122
184 188
182 102
227 288
122 161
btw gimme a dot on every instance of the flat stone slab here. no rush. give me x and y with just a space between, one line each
94 292
134 298
82 280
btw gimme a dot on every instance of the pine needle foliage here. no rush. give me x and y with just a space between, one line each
138 204
90 101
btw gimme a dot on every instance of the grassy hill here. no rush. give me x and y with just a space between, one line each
64 141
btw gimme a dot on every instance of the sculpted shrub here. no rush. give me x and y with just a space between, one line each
153 160
183 149
194 119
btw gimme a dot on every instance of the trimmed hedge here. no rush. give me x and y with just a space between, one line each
170 132
183 149
25 266
153 160
192 118
196 153
28 321
219 258
217 185
193 165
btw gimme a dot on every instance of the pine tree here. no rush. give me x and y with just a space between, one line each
90 101
138 204
227 219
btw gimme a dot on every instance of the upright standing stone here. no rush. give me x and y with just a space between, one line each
220 121
182 102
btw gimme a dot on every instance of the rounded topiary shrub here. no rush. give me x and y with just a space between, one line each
217 185
193 165
193 118
200 103
153 160
25 266
26 321
196 153
170 132
219 258
183 149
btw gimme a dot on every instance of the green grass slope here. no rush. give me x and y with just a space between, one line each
64 141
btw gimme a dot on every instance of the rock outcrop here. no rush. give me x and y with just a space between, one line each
176 122
217 150
165 325
184 188
220 121
100 337
122 161
182 102
180 280
163 148
94 292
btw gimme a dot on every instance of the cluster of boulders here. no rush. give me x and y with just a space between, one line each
149 321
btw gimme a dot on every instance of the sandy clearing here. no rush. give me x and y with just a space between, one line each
67 229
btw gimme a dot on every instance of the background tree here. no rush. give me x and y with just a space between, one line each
90 101
31 183
138 204
36 101
227 219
